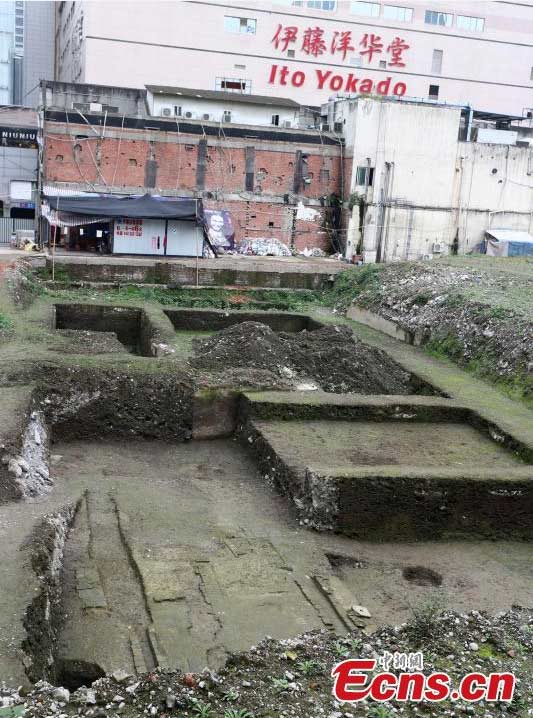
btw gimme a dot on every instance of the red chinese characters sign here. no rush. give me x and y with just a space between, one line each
315 42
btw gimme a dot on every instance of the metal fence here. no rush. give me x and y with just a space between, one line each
8 225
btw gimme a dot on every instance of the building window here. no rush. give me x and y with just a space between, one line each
177 111
327 5
395 12
226 116
472 24
323 176
361 176
433 92
239 24
368 9
383 64
531 74
436 62
275 120
233 84
432 17
290 53
356 61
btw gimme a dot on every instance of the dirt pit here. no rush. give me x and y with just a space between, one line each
329 358
100 329
180 554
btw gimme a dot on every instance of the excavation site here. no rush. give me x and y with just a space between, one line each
178 483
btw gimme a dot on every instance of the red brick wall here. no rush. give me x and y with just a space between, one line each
122 163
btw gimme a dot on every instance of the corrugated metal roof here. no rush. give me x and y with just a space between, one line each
224 96
509 235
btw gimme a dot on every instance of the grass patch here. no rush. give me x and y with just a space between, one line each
217 298
6 325
518 386
350 283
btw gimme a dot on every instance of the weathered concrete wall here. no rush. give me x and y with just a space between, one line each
179 274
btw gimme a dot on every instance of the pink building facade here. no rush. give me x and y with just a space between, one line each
477 53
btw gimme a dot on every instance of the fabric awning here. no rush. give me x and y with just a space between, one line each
67 219
145 207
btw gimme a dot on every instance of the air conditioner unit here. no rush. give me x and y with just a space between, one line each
166 111
205 117
188 115
287 123
438 248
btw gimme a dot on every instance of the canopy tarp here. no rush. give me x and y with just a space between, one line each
145 207
508 243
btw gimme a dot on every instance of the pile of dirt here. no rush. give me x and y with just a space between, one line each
340 363
245 345
330 357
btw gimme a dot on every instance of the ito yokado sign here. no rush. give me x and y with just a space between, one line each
372 49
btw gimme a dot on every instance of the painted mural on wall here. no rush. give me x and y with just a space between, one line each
219 227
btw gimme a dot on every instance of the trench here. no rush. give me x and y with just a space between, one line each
104 327
182 550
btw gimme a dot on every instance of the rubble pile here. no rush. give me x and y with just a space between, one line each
470 314
331 358
291 677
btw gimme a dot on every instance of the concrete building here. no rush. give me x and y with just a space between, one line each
38 58
461 52
421 188
223 106
27 38
18 163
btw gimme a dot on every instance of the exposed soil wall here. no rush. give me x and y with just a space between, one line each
85 403
408 507
24 470
44 617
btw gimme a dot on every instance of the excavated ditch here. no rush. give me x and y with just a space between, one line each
177 551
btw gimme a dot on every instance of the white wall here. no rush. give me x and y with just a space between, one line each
439 188
244 114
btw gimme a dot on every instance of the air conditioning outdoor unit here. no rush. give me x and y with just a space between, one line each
166 111
205 117
188 115
438 248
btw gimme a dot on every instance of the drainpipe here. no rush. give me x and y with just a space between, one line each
469 123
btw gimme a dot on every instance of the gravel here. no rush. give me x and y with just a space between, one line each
291 678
